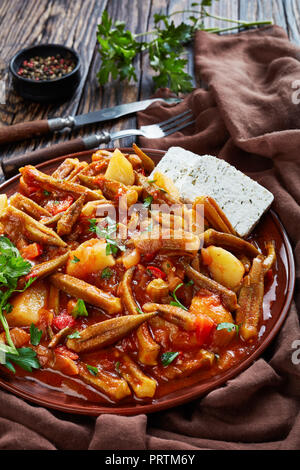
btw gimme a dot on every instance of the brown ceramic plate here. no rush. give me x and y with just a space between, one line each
276 305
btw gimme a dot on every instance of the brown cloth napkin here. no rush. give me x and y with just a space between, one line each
248 118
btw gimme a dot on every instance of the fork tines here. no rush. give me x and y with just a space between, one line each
176 123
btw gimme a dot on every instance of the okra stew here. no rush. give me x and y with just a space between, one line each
110 295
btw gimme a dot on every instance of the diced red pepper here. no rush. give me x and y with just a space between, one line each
32 251
204 326
156 272
63 320
64 351
54 207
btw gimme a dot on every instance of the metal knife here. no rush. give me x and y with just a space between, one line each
26 130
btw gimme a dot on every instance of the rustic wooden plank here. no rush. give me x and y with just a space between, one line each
146 82
224 9
292 11
259 10
68 22
96 97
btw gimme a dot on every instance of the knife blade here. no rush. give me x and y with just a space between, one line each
26 130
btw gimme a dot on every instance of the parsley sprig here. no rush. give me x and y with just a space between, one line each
119 47
177 302
12 267
24 358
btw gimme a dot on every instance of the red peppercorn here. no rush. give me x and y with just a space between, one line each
46 68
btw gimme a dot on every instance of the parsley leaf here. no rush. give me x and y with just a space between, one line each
106 273
168 357
148 201
25 358
75 259
93 370
80 309
35 335
227 326
176 302
74 335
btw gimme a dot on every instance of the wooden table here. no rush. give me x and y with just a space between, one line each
74 23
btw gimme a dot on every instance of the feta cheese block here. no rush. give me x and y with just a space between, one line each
242 199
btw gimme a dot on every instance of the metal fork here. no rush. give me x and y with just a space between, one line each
11 164
153 131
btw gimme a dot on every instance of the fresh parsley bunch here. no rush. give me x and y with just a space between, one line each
119 47
12 267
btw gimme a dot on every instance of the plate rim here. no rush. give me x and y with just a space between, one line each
194 391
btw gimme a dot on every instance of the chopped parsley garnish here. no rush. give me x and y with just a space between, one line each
151 181
46 193
111 249
139 310
117 366
228 326
74 335
147 202
35 335
75 259
112 245
106 273
168 357
93 370
176 302
80 309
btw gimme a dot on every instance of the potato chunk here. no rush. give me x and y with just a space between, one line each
158 290
224 267
92 258
167 184
120 169
3 205
3 202
27 305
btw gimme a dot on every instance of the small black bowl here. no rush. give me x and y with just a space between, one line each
45 91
